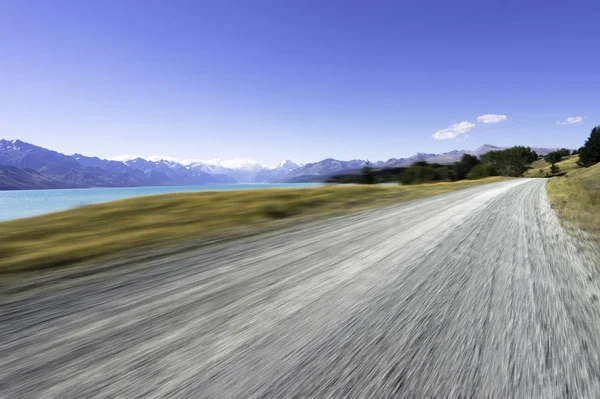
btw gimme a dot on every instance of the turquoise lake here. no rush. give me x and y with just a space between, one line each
25 203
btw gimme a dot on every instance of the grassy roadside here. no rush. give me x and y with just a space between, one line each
576 198
105 230
567 164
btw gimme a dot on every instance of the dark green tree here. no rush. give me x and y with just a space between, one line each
589 154
533 157
367 174
464 166
509 162
443 172
480 171
553 157
554 169
418 174
565 152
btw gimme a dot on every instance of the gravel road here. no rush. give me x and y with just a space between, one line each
475 293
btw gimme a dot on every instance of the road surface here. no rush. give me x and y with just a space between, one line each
476 293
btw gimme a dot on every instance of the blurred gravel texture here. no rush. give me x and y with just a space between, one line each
475 293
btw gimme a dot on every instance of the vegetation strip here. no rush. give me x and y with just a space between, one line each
576 197
105 230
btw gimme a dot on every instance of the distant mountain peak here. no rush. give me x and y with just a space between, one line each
422 155
78 170
488 146
14 144
287 165
285 161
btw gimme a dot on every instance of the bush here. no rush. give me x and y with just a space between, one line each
553 157
554 169
589 154
418 174
533 157
565 152
444 173
509 162
465 165
480 171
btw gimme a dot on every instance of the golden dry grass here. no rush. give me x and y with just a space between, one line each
576 197
567 164
106 230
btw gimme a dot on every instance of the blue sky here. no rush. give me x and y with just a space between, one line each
305 80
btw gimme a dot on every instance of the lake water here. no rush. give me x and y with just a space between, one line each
25 203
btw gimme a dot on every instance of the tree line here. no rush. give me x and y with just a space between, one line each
508 162
589 153
512 162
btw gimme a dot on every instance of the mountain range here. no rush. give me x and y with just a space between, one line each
24 165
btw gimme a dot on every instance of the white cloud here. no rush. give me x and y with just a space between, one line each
491 118
571 119
453 131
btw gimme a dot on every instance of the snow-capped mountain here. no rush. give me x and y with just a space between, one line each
169 172
239 169
78 170
287 165
323 169
236 163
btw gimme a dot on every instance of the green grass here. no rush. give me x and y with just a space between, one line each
567 164
106 230
576 197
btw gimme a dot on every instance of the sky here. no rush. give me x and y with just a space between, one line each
304 80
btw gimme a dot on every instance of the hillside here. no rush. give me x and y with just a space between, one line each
541 168
13 178
576 197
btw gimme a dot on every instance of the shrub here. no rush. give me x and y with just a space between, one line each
480 171
419 174
444 173
553 157
554 169
565 152
509 162
465 165
533 157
